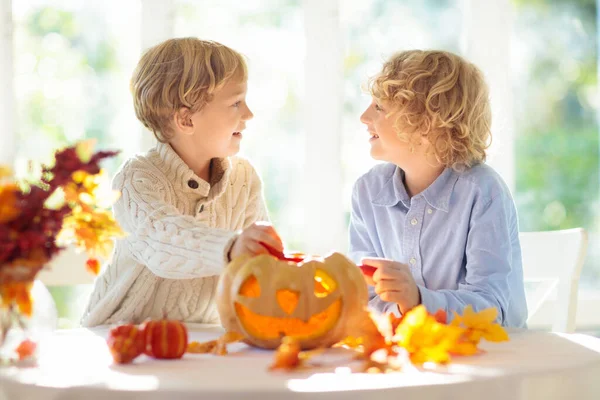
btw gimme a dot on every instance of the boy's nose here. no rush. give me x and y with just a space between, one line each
364 118
248 114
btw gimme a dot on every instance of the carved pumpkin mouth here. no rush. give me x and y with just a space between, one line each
268 327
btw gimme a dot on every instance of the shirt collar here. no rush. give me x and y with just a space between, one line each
393 190
437 194
185 180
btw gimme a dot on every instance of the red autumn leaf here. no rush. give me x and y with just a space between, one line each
93 265
440 316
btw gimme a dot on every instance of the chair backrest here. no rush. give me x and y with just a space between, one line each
554 259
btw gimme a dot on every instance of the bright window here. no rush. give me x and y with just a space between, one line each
308 60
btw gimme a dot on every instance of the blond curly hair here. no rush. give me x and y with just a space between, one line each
440 96
182 72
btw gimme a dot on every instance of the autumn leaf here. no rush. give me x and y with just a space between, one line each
85 149
368 333
287 355
5 171
201 347
25 349
18 293
480 325
8 202
93 266
464 348
424 338
440 316
218 346
224 340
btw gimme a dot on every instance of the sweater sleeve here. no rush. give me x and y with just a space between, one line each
170 244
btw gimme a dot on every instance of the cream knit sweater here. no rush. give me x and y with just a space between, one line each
179 228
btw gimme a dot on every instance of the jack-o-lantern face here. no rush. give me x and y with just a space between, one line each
313 301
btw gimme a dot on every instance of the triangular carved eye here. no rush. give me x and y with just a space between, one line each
324 284
250 287
287 300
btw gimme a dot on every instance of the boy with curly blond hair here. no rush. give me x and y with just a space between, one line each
439 225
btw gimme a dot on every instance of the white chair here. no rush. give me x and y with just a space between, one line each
554 259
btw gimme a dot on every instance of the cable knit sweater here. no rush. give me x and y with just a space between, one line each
179 229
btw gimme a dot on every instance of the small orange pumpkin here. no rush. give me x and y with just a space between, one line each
166 339
314 300
126 342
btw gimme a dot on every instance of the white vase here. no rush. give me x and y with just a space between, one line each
43 321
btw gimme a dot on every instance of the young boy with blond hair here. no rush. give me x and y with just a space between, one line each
439 225
188 205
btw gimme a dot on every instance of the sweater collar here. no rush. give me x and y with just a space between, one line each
186 181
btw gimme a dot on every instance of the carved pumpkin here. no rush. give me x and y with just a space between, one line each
165 338
126 342
313 300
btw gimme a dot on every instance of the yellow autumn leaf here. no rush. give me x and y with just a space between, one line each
85 149
5 171
424 338
481 325
465 348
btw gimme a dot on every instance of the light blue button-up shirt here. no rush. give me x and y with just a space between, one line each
459 237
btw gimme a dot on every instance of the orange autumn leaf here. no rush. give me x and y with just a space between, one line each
287 355
201 347
218 346
369 333
8 202
480 325
25 349
224 340
424 338
93 266
18 293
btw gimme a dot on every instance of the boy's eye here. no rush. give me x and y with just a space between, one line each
237 103
378 108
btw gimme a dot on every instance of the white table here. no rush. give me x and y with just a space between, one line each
76 364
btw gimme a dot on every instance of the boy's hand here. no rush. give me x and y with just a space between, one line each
248 242
394 282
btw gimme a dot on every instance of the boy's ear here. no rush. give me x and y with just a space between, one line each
182 120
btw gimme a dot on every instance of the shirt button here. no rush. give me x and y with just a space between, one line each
414 221
413 261
193 184
429 211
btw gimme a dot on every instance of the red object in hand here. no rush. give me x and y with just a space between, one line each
367 270
126 342
166 339
281 255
